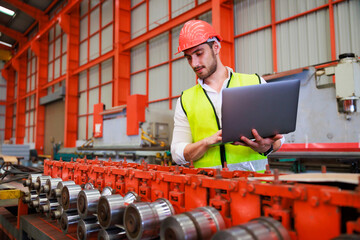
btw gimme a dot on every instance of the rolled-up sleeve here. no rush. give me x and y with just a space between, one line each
181 135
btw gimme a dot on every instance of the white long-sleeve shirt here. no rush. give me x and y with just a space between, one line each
182 133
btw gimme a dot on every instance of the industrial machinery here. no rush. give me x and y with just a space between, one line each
151 201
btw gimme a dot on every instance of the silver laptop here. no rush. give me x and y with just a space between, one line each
269 108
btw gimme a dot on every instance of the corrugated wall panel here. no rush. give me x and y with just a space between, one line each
347 30
90 126
159 105
81 128
82 81
107 39
82 103
250 14
134 2
138 57
175 32
183 77
138 21
63 65
107 12
179 7
303 41
207 17
94 20
106 95
158 15
93 99
83 28
94 76
83 53
253 53
287 8
107 71
159 49
138 83
159 82
94 51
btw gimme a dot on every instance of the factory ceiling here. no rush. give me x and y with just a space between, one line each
18 18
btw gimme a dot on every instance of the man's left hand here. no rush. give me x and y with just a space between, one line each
259 144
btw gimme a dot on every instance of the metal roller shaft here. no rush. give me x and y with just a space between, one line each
201 223
50 206
69 222
51 184
111 209
59 211
263 228
57 191
142 220
69 196
87 202
112 234
40 181
38 202
88 229
31 179
29 196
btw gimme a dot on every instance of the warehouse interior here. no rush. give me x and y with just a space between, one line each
88 94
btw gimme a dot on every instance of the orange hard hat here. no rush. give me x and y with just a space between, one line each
195 32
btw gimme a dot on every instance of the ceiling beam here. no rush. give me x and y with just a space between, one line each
33 12
18 36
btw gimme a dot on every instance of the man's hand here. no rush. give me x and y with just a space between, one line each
194 151
215 138
260 144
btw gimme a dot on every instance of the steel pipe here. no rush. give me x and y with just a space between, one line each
88 229
114 233
51 184
69 222
201 223
69 196
142 219
263 228
57 191
111 208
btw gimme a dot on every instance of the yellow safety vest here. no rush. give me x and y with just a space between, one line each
204 122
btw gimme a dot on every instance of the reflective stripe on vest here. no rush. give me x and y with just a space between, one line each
204 123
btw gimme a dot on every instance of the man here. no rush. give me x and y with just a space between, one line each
198 110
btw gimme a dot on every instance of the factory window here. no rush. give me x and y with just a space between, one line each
57 56
95 86
30 119
96 29
31 73
157 72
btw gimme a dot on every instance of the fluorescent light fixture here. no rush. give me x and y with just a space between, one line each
6 44
7 11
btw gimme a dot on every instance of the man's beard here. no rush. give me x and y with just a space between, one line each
212 68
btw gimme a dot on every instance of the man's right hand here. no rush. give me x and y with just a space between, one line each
194 151
215 138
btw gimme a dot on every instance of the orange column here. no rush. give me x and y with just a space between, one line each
9 74
40 48
70 23
20 64
122 33
223 22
